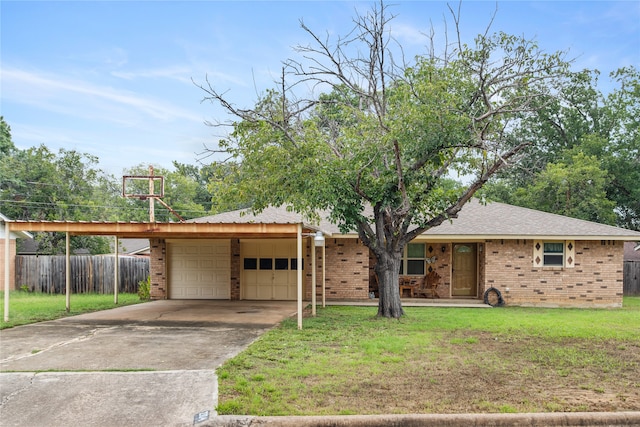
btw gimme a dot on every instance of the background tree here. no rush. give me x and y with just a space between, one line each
584 120
376 146
37 184
6 144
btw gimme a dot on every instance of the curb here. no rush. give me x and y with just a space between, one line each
546 419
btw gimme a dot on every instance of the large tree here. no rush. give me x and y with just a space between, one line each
375 149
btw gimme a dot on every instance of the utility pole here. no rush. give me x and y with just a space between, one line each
152 216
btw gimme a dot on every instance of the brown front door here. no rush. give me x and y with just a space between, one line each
465 270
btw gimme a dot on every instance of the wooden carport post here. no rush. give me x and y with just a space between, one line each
7 247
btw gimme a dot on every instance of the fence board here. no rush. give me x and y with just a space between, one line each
631 278
89 274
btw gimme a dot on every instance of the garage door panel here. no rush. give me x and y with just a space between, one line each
199 269
267 269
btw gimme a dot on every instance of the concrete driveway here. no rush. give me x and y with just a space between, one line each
141 365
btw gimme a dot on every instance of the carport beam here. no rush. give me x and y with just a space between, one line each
6 270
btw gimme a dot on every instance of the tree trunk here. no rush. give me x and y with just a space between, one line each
388 271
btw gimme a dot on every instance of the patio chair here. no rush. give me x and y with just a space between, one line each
429 285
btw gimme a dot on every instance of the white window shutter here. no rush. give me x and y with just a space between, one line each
569 253
538 253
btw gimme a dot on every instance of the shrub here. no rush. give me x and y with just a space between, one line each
144 287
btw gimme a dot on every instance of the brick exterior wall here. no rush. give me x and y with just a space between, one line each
347 269
594 281
158 269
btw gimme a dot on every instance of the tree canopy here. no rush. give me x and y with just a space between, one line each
604 130
376 147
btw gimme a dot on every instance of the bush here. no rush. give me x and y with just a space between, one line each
144 287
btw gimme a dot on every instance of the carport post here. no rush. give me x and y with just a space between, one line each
68 273
324 261
6 270
313 277
299 275
116 272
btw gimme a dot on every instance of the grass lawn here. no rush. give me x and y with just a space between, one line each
440 360
27 307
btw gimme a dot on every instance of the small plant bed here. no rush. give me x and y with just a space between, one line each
32 307
440 360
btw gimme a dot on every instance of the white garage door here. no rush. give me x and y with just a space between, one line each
269 269
198 269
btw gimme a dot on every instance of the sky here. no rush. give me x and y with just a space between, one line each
116 79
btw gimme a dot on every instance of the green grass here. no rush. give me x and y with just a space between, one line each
440 360
27 307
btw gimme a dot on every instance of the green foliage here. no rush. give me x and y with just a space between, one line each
144 288
6 144
575 187
584 120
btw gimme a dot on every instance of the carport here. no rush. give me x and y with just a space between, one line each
181 230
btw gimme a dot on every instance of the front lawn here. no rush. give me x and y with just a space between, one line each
31 307
440 360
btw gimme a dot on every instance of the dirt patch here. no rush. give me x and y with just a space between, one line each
501 376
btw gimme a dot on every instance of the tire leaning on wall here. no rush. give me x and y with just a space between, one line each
493 297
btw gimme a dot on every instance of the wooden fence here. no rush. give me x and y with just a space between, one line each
631 279
89 274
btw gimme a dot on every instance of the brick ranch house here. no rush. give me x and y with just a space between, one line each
531 257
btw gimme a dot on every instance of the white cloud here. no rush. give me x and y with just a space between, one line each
62 95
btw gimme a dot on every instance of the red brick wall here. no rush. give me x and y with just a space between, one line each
595 281
157 268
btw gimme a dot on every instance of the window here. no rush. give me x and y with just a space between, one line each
250 263
282 263
553 254
413 259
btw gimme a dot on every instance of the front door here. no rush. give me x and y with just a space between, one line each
465 270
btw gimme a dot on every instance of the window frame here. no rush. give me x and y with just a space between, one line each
548 253
404 266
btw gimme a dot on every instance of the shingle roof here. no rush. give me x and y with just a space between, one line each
476 220
500 219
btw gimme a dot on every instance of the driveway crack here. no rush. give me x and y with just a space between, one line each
87 336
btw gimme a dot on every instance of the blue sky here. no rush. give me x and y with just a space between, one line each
114 79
